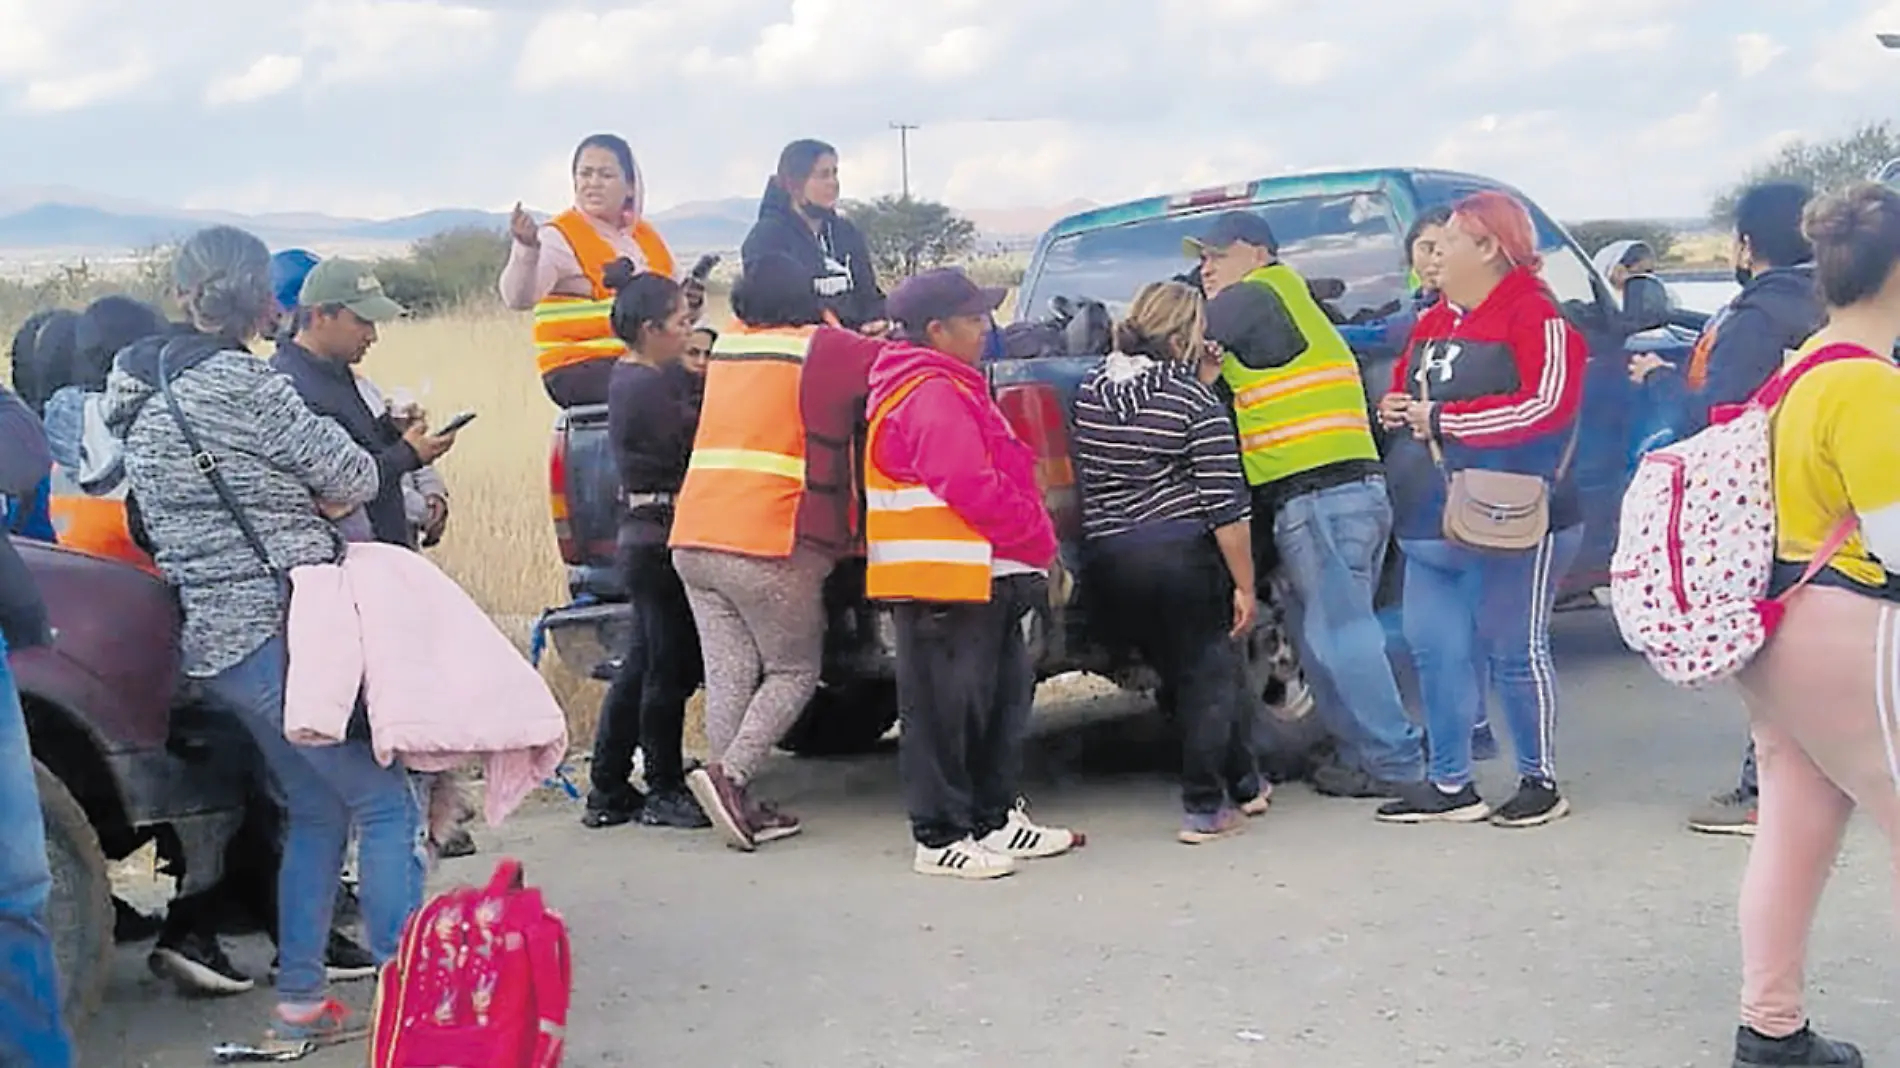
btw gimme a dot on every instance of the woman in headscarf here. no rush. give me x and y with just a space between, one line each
798 217
557 269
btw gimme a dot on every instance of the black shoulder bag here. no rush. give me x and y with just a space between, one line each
207 464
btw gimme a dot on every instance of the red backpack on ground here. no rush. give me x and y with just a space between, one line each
482 980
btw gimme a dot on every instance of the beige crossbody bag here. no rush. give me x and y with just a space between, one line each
1499 510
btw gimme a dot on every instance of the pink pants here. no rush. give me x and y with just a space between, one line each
1823 699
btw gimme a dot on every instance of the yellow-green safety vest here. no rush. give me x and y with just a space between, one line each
1309 413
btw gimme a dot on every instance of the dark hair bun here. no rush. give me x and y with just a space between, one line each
618 273
1836 219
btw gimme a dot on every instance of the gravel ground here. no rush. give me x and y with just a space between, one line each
1320 938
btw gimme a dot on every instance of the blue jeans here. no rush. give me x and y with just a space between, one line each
32 1032
323 789
1332 546
1750 785
1462 604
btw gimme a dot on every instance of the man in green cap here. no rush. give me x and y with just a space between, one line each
338 310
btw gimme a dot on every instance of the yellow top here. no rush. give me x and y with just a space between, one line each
1837 452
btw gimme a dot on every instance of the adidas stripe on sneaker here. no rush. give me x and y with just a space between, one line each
962 859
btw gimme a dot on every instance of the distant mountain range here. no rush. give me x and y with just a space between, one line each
72 220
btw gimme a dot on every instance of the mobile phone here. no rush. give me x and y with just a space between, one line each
704 268
456 423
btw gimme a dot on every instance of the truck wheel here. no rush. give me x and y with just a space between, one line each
79 911
844 719
1287 748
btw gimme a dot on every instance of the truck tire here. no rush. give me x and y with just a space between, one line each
1287 749
79 910
844 719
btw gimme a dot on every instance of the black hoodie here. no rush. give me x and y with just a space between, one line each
1743 344
835 256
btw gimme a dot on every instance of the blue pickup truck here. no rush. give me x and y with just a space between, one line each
1343 231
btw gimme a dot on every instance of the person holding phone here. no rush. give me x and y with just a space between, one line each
558 269
339 307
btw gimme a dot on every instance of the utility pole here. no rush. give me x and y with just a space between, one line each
903 142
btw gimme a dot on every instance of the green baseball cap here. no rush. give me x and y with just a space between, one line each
353 285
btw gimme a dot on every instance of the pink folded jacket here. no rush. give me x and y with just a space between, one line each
442 685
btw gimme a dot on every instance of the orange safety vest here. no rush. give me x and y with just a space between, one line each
747 473
97 525
571 330
916 547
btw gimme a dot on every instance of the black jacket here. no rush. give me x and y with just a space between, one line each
329 388
1743 344
836 256
24 460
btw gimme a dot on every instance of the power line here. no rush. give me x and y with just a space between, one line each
903 142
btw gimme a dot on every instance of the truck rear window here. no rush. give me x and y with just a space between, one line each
1347 248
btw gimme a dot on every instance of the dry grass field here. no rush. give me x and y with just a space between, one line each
500 540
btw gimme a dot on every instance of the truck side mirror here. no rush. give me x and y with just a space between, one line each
1645 303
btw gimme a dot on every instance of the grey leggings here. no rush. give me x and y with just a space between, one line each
762 633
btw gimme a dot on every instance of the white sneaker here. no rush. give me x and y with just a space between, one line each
962 860
1024 839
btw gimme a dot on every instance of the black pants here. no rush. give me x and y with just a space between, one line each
579 383
1173 601
645 707
964 690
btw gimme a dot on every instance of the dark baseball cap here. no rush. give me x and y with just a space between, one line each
945 293
1232 227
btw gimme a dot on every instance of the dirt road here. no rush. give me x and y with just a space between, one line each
1320 939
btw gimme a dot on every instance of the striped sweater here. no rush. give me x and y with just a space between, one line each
1155 449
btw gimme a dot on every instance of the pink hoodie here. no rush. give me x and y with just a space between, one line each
956 443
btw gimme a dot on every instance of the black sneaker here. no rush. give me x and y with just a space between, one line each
197 964
130 925
612 810
344 961
1422 802
1535 804
674 808
1803 1049
1338 780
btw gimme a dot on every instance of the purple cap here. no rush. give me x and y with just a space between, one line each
945 293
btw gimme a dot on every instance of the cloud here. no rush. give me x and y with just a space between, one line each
84 90
394 40
1594 107
1756 52
268 76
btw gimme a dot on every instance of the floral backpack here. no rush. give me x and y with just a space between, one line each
482 980
1695 549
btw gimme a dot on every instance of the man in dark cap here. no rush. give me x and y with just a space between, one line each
1320 503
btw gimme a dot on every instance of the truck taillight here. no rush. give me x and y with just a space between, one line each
1034 411
1201 198
557 494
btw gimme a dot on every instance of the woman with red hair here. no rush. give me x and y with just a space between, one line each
1489 387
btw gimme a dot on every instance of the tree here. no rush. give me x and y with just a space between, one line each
1823 165
907 235
1596 233
445 269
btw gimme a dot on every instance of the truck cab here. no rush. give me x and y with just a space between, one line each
1344 232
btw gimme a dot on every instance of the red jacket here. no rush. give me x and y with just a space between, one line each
950 436
1507 380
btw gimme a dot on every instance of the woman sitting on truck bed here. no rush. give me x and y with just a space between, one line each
558 269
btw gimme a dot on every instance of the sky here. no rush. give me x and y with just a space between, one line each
375 108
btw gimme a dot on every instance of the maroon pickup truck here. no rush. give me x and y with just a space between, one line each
122 753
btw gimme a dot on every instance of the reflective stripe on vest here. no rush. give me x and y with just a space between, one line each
916 547
746 476
1310 413
570 330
